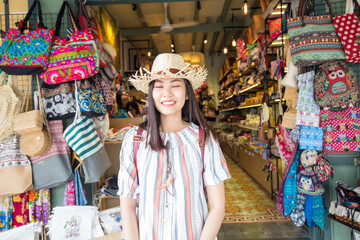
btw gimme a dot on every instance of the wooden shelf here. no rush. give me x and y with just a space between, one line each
242 107
332 217
113 142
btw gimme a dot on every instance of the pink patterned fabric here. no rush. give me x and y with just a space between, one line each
286 146
72 59
341 130
69 194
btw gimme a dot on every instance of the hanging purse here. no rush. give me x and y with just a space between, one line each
335 85
15 168
28 121
26 54
37 142
53 168
313 39
311 138
347 27
90 100
71 59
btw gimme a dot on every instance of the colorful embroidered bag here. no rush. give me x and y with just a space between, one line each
313 39
341 130
311 138
71 59
347 27
323 168
26 54
335 85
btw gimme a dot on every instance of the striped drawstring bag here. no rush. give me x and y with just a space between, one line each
82 137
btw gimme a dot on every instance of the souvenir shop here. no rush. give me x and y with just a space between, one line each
281 94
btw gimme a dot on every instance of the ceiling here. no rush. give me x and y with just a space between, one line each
200 20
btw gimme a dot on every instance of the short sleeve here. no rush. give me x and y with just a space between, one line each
216 169
127 177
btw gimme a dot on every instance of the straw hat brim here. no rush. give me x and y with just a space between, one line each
141 80
9 107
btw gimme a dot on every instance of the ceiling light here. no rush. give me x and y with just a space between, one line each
149 53
233 42
172 45
205 41
246 7
225 50
172 50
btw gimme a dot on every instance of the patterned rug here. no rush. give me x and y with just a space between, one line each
245 201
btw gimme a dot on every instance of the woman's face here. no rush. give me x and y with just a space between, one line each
169 96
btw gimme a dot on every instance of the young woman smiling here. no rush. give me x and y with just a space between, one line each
163 169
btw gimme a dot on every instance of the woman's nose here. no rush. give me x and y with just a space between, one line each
167 91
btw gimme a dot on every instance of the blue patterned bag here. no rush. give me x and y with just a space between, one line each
91 102
311 138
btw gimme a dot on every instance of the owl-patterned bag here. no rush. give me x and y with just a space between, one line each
335 85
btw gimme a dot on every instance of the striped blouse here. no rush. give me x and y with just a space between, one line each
187 209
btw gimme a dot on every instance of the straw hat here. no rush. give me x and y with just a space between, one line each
9 107
168 65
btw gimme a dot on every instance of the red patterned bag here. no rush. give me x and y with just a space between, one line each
348 29
71 59
323 168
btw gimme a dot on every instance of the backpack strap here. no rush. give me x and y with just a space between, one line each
136 143
202 149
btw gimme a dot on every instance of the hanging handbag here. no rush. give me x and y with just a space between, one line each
95 166
90 100
10 105
26 54
37 142
323 168
53 168
313 39
289 118
82 137
311 138
28 121
87 22
15 168
335 85
71 59
347 27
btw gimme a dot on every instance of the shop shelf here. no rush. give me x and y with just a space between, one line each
254 88
113 142
242 107
227 98
332 217
225 75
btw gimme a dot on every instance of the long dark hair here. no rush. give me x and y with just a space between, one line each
190 113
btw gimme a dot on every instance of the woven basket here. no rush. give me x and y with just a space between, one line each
36 143
27 122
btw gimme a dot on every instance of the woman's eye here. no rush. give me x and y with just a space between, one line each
158 86
176 86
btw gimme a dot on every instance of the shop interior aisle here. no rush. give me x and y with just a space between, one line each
250 212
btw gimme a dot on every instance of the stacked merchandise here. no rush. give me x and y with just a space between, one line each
310 129
35 145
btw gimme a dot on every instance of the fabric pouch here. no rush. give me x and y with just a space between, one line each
91 102
311 138
95 166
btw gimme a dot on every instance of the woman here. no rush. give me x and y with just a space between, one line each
169 170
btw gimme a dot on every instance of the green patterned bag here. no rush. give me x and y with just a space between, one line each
313 39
